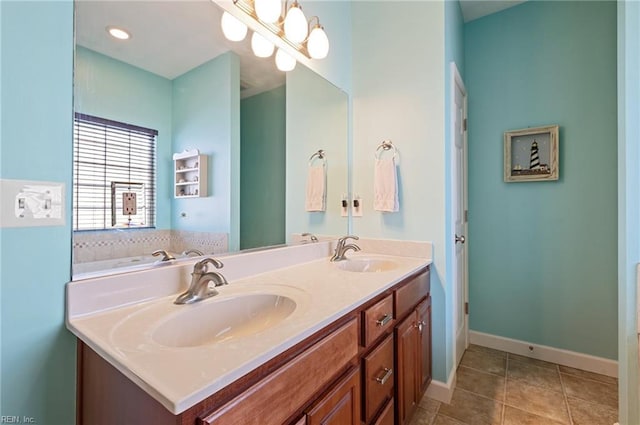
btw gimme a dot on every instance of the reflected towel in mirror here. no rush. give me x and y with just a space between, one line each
316 189
385 186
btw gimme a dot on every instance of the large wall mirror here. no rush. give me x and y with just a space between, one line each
178 85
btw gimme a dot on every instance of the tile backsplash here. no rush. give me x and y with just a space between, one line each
108 245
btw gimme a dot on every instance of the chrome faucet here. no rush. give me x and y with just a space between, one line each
312 237
341 248
200 277
197 252
166 256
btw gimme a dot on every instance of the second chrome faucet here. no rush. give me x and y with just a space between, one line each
342 247
200 277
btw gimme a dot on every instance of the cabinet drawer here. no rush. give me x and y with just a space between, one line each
275 398
378 372
386 417
410 294
377 320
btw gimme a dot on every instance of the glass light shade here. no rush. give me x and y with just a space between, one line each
284 61
261 47
118 33
295 24
318 43
268 10
232 28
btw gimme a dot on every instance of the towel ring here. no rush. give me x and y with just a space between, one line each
385 146
320 155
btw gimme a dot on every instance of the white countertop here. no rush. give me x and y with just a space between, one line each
181 377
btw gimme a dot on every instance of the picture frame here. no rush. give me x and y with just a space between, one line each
531 154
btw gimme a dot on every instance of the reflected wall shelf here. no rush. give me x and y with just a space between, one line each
190 174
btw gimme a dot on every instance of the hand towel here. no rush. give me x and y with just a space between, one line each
385 186
316 189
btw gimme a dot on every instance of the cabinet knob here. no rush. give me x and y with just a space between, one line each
461 239
385 377
420 325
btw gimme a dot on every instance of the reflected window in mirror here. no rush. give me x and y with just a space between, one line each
114 174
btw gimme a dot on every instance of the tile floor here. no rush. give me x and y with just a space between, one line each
498 388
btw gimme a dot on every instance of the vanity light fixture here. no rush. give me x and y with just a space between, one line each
305 37
118 33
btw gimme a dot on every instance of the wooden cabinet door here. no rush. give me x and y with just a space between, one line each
341 406
407 368
424 328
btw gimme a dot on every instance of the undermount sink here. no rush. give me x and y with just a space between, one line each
223 319
367 265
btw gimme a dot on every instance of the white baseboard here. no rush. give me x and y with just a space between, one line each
542 352
442 391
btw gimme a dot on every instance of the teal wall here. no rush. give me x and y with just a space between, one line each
206 116
542 255
111 89
398 91
38 353
628 208
262 169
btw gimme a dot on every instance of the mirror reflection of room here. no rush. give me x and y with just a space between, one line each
178 87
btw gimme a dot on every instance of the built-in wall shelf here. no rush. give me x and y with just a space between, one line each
190 174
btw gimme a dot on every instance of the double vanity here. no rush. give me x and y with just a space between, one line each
292 339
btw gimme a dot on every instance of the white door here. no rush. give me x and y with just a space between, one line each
459 196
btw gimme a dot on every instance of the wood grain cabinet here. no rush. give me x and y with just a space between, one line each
369 367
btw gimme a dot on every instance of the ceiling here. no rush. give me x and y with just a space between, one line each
474 9
169 38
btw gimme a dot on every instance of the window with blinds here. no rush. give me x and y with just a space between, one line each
109 154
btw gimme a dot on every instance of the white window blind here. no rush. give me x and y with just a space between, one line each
106 151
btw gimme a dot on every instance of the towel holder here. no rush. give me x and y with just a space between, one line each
385 146
320 155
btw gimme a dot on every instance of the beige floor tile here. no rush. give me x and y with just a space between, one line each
589 375
485 361
485 384
513 416
585 413
529 360
473 347
423 417
429 404
445 420
534 375
537 400
472 409
593 391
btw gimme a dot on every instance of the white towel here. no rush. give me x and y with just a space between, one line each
385 186
316 189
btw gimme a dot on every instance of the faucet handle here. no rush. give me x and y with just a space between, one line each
202 265
166 256
197 252
312 237
344 238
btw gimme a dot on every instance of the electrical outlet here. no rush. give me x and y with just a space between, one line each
129 203
344 206
31 203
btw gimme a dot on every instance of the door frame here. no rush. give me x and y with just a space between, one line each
457 82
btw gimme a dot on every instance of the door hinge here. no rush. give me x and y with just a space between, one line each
464 124
466 308
466 216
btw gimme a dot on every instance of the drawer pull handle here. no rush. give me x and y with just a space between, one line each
384 320
384 378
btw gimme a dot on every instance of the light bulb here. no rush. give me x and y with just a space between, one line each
118 33
268 10
232 28
261 47
295 24
318 43
284 61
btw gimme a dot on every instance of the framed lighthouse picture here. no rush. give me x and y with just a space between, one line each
531 154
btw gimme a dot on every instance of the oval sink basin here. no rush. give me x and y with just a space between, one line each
224 319
367 265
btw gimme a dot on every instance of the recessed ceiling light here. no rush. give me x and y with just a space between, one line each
118 33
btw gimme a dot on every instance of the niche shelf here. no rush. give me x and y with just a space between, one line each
190 174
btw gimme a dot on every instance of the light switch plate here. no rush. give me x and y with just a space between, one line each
31 203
